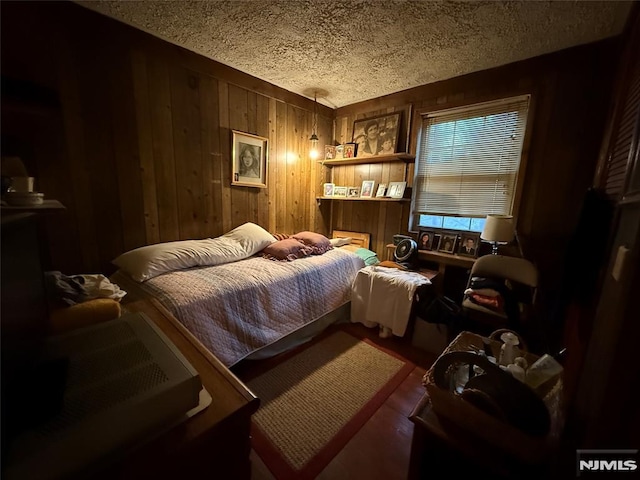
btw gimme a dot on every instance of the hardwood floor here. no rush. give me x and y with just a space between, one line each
381 448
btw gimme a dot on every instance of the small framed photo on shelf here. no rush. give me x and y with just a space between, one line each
425 239
353 192
367 188
340 192
469 244
382 190
396 189
339 152
350 150
328 189
329 152
448 243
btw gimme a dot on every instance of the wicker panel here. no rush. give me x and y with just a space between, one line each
509 439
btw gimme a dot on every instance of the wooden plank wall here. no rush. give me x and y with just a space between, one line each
144 138
570 93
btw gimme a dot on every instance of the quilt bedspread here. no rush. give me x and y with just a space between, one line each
235 309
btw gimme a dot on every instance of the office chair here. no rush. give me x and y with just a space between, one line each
516 282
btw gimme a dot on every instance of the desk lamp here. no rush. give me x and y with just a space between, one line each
498 229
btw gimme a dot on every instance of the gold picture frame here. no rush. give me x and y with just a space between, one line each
249 158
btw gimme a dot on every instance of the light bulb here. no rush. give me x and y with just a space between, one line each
313 152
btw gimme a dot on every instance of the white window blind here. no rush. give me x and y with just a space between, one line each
469 158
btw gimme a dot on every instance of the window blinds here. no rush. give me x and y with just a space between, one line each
468 159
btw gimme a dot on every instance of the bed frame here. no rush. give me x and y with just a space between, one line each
357 238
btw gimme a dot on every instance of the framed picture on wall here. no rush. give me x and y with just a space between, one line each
377 135
248 160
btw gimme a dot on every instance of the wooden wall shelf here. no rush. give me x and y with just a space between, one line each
396 157
366 199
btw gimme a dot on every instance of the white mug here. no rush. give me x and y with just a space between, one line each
21 184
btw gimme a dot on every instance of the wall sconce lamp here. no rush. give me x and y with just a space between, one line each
498 230
313 152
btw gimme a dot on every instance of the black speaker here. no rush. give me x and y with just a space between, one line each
406 253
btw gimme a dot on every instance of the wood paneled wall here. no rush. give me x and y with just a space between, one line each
139 146
569 89
570 93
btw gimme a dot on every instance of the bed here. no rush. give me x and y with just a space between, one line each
252 307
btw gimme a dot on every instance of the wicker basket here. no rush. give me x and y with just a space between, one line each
513 441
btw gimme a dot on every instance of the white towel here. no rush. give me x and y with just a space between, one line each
384 296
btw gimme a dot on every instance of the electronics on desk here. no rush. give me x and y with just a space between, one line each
398 238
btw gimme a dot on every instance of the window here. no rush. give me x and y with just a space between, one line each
468 163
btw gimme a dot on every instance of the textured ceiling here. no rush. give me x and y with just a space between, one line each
357 50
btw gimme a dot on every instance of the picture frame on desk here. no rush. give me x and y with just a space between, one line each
469 243
435 243
425 239
448 243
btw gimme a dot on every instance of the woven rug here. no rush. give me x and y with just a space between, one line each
315 400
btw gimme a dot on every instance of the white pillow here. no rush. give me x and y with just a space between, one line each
339 242
251 237
147 262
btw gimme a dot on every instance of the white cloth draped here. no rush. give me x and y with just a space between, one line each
384 296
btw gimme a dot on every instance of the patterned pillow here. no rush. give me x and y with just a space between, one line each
318 242
287 250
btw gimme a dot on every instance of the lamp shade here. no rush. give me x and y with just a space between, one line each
498 228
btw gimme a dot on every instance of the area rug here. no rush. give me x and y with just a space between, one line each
316 400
